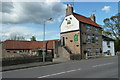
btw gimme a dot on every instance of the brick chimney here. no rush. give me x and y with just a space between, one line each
69 10
92 17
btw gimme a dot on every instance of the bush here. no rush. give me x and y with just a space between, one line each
23 60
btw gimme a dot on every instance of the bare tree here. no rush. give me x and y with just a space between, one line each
16 36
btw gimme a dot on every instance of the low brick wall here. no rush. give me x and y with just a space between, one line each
75 57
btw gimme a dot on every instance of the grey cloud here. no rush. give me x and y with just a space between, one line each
34 12
6 7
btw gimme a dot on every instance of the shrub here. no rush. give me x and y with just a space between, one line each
23 60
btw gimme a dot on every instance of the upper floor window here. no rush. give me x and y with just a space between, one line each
68 22
108 44
96 30
88 27
88 38
93 38
70 18
96 38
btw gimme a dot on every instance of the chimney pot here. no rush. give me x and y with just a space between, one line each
92 17
69 10
70 5
67 5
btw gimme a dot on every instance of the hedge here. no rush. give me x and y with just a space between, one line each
23 60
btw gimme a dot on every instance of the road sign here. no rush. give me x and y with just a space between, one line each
75 37
43 53
37 53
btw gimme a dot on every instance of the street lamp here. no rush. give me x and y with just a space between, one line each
43 53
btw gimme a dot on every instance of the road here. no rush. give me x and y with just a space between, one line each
92 68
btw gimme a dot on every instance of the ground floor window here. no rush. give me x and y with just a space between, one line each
97 51
63 41
89 52
8 51
108 52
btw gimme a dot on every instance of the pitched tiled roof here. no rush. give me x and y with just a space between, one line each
85 20
15 44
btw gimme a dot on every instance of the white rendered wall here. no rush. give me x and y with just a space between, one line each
69 27
105 48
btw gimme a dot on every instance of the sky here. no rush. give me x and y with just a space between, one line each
27 18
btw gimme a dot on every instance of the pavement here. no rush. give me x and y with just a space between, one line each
28 65
92 68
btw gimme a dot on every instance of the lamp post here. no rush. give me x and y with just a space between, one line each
43 53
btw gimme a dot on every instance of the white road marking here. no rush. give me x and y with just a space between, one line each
59 73
103 64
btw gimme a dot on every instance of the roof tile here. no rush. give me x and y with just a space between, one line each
85 20
15 44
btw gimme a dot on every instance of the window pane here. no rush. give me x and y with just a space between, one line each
89 52
88 38
68 22
63 41
96 38
88 27
96 29
97 51
93 39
